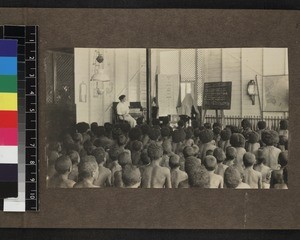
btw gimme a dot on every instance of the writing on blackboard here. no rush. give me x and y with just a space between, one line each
217 95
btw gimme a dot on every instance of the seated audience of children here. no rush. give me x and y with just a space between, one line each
159 156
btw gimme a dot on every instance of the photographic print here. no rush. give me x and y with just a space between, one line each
167 118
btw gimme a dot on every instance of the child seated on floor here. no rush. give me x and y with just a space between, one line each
283 162
87 173
237 141
251 177
131 176
155 176
277 180
270 152
261 126
177 175
136 150
224 141
215 180
52 156
189 134
63 167
75 158
233 179
252 145
263 169
167 153
178 137
230 156
220 157
124 159
104 176
207 142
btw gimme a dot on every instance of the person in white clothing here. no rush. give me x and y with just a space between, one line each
123 111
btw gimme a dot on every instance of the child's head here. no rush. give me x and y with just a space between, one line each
63 164
210 163
206 136
283 158
137 146
55 146
217 130
155 151
283 124
188 151
270 137
189 133
199 177
261 125
225 134
77 137
207 125
245 123
89 147
217 125
74 156
145 128
165 121
154 134
131 175
178 136
135 134
253 137
125 127
140 121
232 177
52 157
248 159
192 163
121 140
237 140
219 155
181 124
100 131
99 154
165 131
276 178
88 168
196 149
124 158
174 161
114 152
82 127
231 153
155 122
94 127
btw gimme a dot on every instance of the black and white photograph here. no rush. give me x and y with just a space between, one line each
167 118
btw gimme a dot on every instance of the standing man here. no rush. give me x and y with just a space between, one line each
123 111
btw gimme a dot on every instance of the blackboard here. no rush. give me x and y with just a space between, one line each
217 95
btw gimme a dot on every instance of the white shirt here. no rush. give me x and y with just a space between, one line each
123 108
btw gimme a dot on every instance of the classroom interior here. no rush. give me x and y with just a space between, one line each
84 84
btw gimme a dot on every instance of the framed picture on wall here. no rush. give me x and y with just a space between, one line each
275 93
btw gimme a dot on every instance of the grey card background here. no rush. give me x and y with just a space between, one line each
159 208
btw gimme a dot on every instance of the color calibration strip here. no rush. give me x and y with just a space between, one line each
8 119
27 115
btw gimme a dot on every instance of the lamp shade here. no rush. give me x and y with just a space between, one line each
101 76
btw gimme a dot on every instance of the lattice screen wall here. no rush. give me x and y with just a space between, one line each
63 78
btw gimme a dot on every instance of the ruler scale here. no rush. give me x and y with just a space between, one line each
27 37
31 128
